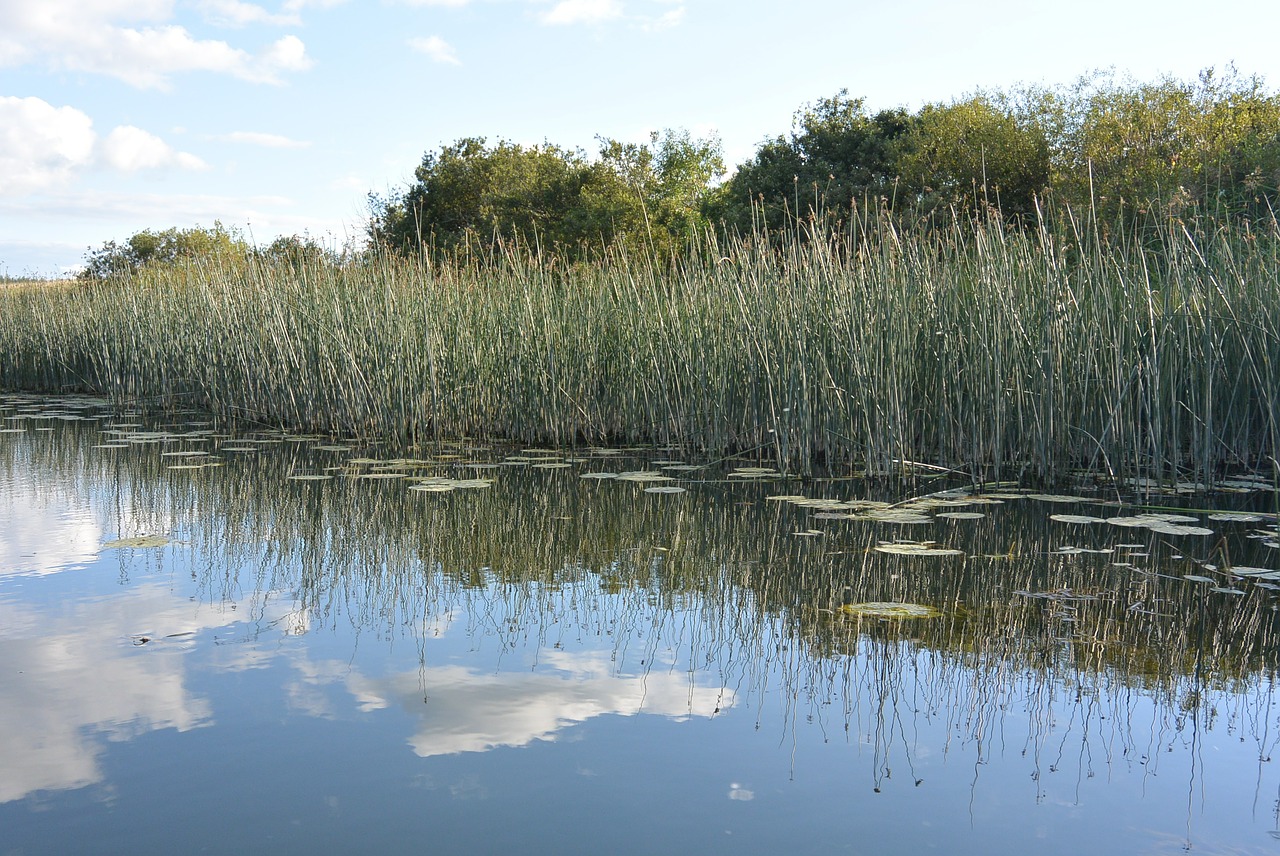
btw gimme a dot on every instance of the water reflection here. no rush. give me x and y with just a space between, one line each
457 709
1093 679
78 679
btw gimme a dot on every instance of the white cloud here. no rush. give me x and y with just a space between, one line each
666 21
130 149
436 48
236 13
299 5
94 36
286 54
582 12
41 145
453 3
103 691
269 141
471 711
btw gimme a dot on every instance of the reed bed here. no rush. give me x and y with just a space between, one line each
1001 353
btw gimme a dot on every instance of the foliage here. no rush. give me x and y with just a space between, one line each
644 195
997 352
836 155
974 152
1118 147
172 246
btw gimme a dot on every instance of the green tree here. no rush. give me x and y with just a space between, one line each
172 246
648 196
836 155
1119 147
470 188
973 152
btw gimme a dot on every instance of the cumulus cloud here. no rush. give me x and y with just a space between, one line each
667 20
582 12
42 146
436 48
269 141
299 5
453 3
130 41
236 13
130 149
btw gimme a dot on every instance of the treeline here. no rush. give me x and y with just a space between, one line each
1116 148
1121 152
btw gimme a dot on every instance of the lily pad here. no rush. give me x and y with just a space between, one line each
891 610
643 476
915 549
665 488
1256 573
1076 518
140 541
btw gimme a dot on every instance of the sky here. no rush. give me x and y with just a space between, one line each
280 117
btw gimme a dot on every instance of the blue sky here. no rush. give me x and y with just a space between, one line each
280 117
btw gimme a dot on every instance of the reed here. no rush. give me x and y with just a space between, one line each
999 353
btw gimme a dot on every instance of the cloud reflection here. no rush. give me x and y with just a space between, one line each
71 677
45 531
462 710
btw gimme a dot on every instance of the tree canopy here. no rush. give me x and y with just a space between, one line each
1114 148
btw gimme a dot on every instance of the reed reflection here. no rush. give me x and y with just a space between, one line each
1080 648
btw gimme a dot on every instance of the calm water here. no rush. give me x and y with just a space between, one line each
514 658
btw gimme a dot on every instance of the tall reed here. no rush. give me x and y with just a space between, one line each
1001 353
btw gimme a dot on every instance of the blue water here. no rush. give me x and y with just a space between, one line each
243 689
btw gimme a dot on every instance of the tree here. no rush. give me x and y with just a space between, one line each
647 196
973 152
469 188
1119 147
836 155
172 246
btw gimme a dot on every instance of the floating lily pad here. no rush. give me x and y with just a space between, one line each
1196 578
309 477
431 488
1076 518
961 515
665 488
1175 529
1256 573
1237 517
895 516
140 541
1225 590
552 465
891 610
599 475
643 476
1057 497
914 549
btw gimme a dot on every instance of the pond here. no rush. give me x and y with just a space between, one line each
222 639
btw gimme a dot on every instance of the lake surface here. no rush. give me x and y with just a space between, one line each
225 640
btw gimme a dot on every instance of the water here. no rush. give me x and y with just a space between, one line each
553 664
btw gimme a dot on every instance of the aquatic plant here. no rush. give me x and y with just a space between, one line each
976 349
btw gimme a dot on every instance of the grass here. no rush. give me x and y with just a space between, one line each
997 353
